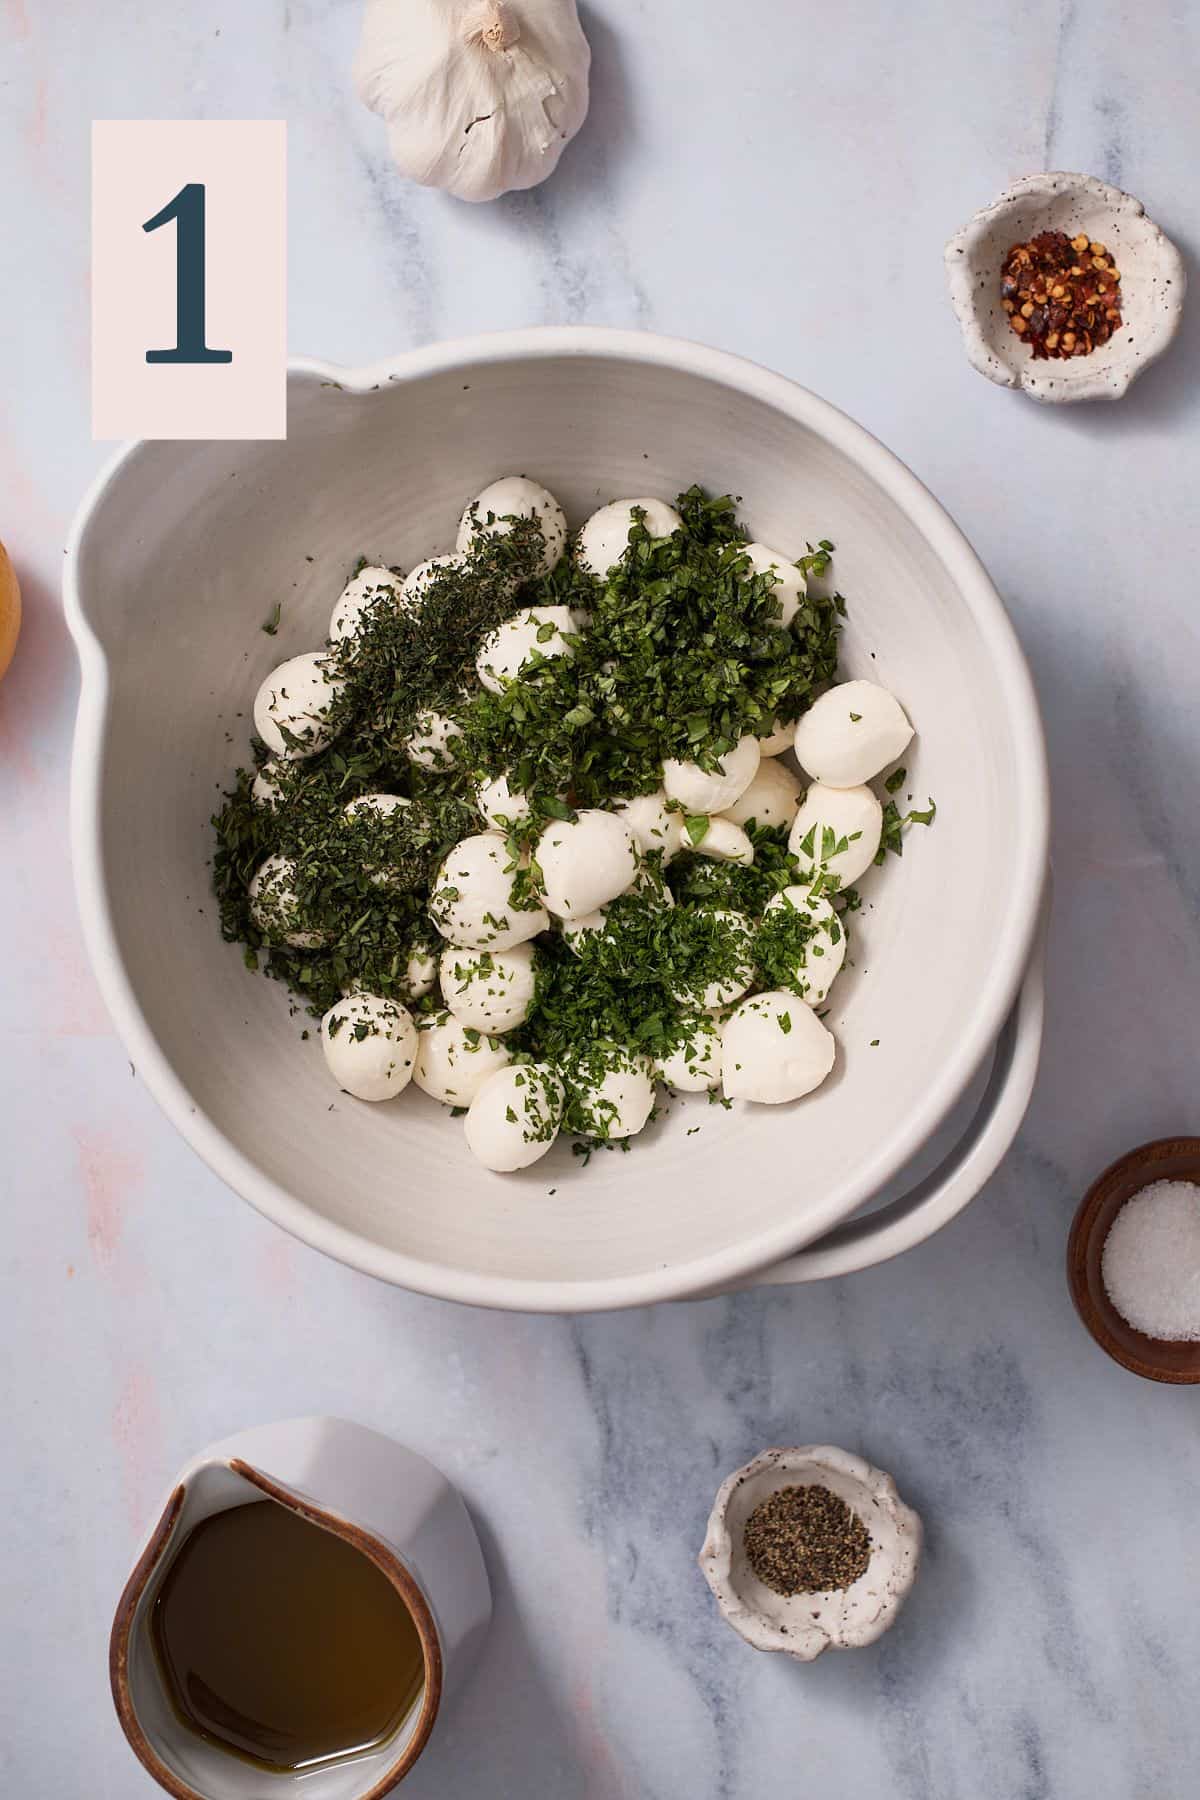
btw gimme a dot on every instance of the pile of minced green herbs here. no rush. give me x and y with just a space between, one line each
683 655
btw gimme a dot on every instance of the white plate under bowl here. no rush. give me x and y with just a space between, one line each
180 552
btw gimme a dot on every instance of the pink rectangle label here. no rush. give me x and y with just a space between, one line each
189 278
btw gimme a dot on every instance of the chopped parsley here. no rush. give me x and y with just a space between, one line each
680 652
791 939
682 655
894 823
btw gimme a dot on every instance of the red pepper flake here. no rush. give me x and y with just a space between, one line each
1062 295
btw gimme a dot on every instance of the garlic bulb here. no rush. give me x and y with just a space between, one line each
479 96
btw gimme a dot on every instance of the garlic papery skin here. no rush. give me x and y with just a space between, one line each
479 96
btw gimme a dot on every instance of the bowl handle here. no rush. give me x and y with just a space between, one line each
908 1221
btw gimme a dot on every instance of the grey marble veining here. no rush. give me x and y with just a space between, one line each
779 181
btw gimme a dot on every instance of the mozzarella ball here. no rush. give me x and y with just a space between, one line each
453 1060
522 641
370 1045
514 1118
381 804
695 1063
723 841
654 827
650 888
500 806
604 539
418 581
515 496
790 587
611 1095
420 973
712 790
275 908
490 990
779 738
773 797
471 901
851 733
721 966
433 741
837 829
366 593
576 930
292 707
814 933
264 789
585 862
773 1049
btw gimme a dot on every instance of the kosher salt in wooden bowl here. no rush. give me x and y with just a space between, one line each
1158 1359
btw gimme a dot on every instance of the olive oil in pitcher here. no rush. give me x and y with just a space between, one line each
282 1643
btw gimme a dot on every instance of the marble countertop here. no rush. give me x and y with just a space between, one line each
784 191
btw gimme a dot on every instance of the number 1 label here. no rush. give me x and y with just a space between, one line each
187 210
189 241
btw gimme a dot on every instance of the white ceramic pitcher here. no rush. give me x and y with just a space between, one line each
390 1504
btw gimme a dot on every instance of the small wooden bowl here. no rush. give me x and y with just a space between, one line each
1158 1359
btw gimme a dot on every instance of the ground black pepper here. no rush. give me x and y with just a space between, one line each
804 1540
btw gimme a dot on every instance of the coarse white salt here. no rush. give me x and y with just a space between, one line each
1151 1261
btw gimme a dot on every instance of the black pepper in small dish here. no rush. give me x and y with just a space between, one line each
1062 295
806 1540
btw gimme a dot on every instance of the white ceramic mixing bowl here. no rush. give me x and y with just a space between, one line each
181 551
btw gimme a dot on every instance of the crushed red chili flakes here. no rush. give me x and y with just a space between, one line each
1062 295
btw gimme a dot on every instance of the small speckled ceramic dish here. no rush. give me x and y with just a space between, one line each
803 1625
1158 1359
1153 281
